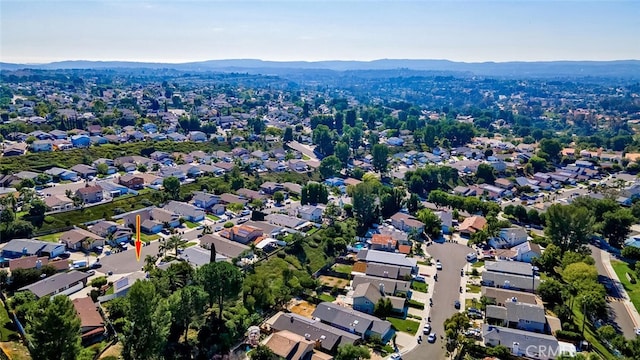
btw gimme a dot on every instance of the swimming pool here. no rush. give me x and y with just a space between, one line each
359 246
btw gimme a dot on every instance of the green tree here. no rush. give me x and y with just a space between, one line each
175 242
380 161
288 134
37 208
453 328
171 186
27 183
352 352
323 139
550 291
186 305
7 216
342 152
549 259
432 223
314 193
383 307
363 197
222 281
486 173
148 319
330 166
568 227
102 168
580 275
263 352
278 197
53 328
551 147
616 226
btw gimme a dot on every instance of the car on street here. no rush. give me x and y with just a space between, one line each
637 331
432 338
395 356
426 330
243 220
438 265
218 228
456 304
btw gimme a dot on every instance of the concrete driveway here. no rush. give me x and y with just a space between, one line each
125 261
445 292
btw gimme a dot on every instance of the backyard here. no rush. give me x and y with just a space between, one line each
342 268
622 268
419 286
6 333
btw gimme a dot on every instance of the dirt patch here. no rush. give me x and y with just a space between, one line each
302 308
331 282
115 350
15 350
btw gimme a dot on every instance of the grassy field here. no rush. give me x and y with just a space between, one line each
50 237
621 268
5 322
419 286
326 297
316 257
408 326
589 333
341 268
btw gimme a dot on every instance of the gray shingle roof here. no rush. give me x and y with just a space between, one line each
509 267
348 318
50 285
508 337
384 257
29 246
328 336
390 285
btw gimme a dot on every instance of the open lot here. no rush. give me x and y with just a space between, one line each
331 281
302 308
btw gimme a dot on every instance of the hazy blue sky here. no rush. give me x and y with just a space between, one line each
184 30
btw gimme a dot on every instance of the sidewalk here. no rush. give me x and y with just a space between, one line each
631 310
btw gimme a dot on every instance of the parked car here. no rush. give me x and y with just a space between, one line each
419 278
243 220
432 338
456 304
426 330
395 356
438 265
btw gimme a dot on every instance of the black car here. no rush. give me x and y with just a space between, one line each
456 304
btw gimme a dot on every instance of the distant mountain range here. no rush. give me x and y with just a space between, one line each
619 68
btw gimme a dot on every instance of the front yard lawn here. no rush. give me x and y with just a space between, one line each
408 326
190 224
478 264
190 244
419 286
312 231
213 217
146 237
475 289
621 268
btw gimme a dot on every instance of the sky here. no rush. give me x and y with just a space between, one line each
40 31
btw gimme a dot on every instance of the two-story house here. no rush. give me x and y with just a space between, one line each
90 194
406 222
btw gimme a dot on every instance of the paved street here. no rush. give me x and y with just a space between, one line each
446 291
125 262
617 309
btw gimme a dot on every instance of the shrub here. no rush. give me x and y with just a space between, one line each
228 225
631 252
415 304
568 335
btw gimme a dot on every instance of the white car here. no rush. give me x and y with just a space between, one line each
395 356
432 338
637 330
439 265
427 329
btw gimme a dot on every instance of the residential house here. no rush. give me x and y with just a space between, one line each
446 221
187 211
85 171
58 284
28 262
500 296
227 248
527 251
389 285
327 337
285 221
177 137
80 141
242 233
516 315
205 200
509 237
367 295
18 248
383 242
92 327
525 343
383 257
406 222
510 275
90 194
131 181
504 183
251 194
58 134
58 203
227 198
190 170
289 346
197 256
292 188
353 321
260 155
16 149
471 225
311 212
388 271
153 220
270 187
78 238
197 136
42 145
60 174
298 165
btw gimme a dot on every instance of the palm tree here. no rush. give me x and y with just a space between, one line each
149 263
163 247
175 242
207 230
